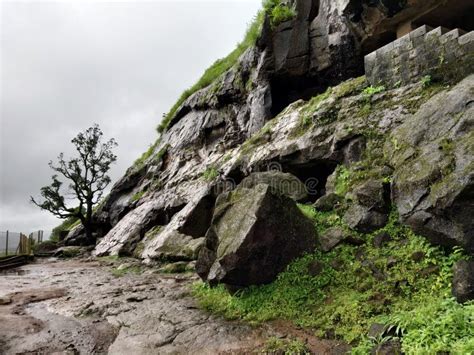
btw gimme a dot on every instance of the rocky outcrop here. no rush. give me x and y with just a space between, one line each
282 183
433 182
252 117
254 235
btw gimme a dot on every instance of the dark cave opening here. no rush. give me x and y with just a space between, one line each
199 220
286 90
313 173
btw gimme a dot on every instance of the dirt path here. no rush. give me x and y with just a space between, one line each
80 307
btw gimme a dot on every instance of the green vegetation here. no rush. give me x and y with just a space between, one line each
426 81
66 226
140 162
278 12
358 287
210 173
307 114
276 345
259 138
343 179
372 90
217 69
137 196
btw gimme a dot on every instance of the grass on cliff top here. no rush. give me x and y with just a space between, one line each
348 296
219 67
277 13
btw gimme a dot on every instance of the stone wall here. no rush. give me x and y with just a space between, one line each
443 54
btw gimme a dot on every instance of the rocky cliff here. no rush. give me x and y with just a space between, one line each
297 102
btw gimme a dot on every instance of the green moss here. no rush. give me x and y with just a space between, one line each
343 180
137 196
66 226
217 69
350 87
259 138
347 297
210 173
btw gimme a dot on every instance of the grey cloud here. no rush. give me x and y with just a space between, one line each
66 65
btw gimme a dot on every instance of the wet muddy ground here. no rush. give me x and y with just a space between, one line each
79 306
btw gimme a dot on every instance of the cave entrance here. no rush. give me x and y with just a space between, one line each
199 220
286 90
313 173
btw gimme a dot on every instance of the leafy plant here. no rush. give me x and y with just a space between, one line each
426 81
347 296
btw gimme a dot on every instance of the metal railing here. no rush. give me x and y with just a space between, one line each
17 243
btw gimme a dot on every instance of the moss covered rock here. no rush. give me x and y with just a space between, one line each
254 235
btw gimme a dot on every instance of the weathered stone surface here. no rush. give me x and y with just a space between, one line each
432 153
363 219
254 235
331 238
328 202
391 347
463 281
282 183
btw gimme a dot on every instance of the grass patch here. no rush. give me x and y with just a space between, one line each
348 296
210 173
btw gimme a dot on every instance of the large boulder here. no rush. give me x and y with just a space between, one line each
433 153
255 234
463 281
283 183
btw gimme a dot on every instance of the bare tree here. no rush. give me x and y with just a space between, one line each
87 175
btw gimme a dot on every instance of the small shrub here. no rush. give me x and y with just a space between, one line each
281 13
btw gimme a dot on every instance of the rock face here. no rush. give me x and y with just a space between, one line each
371 207
403 146
255 233
463 281
432 153
282 183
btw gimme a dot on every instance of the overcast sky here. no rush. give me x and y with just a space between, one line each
68 64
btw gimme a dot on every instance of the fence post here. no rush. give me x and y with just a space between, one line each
6 247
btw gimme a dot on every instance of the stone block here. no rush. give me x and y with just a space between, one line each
468 37
420 31
450 36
